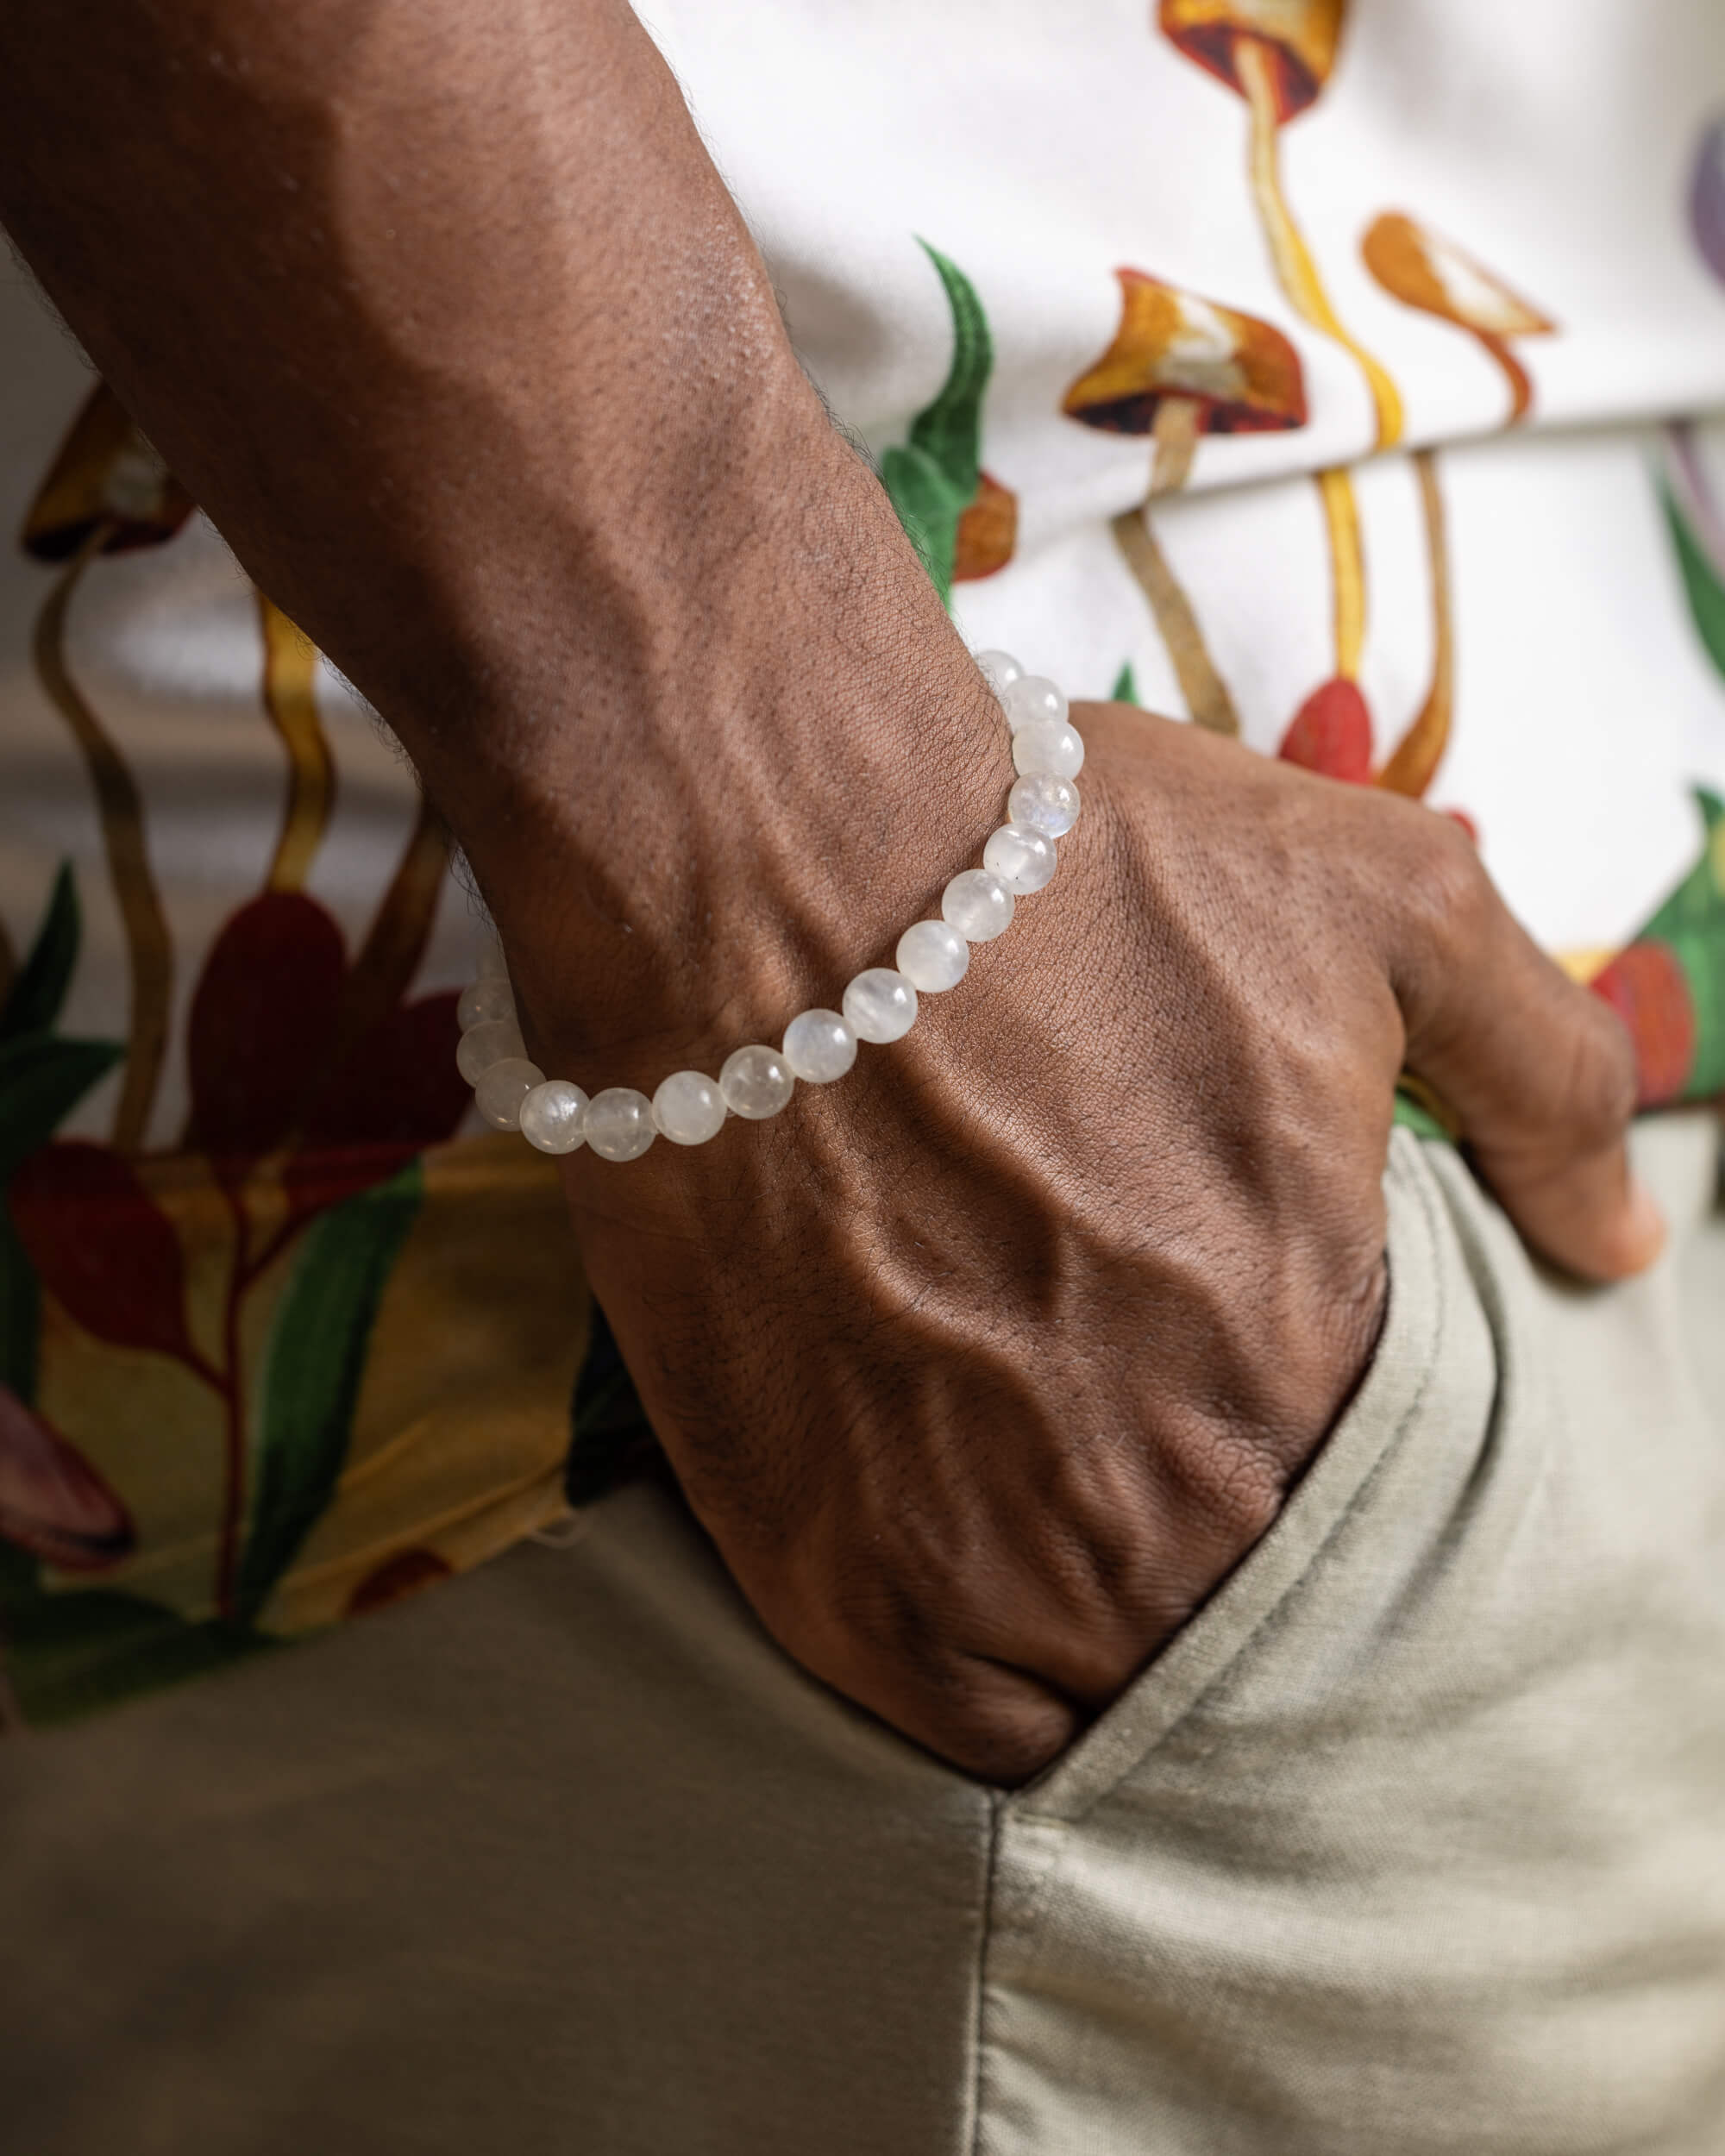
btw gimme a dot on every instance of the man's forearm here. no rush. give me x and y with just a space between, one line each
445 315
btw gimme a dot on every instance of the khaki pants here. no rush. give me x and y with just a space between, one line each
1414 1840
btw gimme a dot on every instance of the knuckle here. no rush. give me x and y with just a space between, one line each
1445 893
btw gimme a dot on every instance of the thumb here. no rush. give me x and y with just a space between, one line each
1540 1074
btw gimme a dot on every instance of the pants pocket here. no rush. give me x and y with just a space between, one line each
1415 1837
1418 1323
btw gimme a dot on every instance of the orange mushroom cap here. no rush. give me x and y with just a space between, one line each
1300 35
105 473
1422 269
1244 375
988 532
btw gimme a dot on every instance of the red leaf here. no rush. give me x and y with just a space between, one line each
400 1086
326 1174
1647 988
103 1247
263 1019
52 1501
397 1094
1332 733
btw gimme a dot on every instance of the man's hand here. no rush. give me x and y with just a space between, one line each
984 1366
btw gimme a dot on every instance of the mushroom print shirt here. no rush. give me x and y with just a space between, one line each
1346 375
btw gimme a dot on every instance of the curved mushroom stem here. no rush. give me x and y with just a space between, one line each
1255 69
1420 749
289 699
1582 965
149 949
1179 422
1521 389
1204 691
1347 568
388 959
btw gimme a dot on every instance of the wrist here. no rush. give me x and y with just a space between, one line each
776 767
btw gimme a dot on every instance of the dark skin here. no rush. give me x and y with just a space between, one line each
985 1366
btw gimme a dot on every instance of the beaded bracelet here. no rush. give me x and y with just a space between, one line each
879 1005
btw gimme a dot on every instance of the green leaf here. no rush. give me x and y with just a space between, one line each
67 1654
36 995
928 507
1702 580
950 430
1701 953
1125 690
20 1315
1698 900
42 1078
316 1357
1410 1115
21 1586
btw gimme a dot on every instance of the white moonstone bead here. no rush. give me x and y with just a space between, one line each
756 1082
820 1046
485 1000
498 1041
1050 745
932 955
1000 670
1023 858
689 1108
1046 803
978 905
618 1123
499 1094
879 1005
551 1116
1033 696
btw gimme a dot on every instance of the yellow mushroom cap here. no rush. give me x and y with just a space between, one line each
1244 375
1300 35
105 473
1422 269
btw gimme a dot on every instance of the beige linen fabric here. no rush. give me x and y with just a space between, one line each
1413 1841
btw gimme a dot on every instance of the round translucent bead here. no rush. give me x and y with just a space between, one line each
1046 803
1032 697
820 1046
1050 745
498 1041
932 955
689 1108
499 1094
756 1082
1023 858
879 1005
489 962
978 905
999 669
618 1123
551 1116
485 1000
